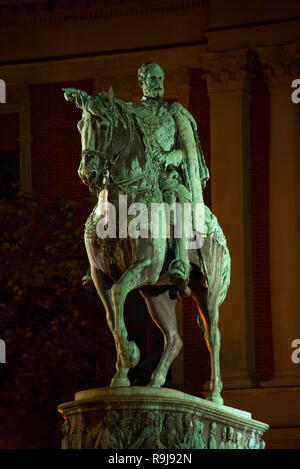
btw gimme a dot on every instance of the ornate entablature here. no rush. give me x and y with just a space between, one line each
228 71
35 12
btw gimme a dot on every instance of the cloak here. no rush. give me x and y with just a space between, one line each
194 169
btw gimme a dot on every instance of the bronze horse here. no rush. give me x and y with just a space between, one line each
116 162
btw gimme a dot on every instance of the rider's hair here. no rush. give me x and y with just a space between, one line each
143 70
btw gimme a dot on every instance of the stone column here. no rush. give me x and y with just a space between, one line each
281 69
226 77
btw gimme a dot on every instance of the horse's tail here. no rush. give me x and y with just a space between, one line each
214 259
216 268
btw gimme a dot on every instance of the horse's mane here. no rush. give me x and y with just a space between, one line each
116 113
133 121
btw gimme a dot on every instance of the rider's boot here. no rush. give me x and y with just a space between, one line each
179 268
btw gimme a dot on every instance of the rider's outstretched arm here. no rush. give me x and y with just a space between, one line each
79 96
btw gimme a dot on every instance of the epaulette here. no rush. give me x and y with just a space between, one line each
132 107
176 108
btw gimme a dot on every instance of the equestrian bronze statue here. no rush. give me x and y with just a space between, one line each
145 163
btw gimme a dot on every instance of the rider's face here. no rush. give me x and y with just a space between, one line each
153 83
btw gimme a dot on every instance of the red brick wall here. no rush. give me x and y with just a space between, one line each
56 145
9 132
259 177
9 141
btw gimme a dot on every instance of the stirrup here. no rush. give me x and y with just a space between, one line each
179 274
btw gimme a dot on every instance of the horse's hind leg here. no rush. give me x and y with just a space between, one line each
162 310
103 285
214 340
208 320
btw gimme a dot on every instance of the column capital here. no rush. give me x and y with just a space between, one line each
281 63
225 71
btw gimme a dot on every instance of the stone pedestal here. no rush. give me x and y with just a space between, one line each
155 418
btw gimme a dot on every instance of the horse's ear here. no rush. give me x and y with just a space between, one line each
111 96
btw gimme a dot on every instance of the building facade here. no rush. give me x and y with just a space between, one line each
233 67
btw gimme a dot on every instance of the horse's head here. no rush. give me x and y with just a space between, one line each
97 125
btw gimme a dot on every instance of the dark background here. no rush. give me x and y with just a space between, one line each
56 334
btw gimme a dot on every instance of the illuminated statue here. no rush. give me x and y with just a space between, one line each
136 157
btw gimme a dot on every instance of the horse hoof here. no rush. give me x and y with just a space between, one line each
157 381
155 384
119 382
132 355
216 398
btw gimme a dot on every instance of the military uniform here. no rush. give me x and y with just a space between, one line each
171 132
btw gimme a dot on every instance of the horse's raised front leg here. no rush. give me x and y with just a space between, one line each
137 275
103 286
163 312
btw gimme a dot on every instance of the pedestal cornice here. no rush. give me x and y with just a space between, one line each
155 418
17 14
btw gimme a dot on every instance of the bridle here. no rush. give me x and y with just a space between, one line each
110 159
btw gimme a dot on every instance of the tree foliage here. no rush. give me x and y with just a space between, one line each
56 337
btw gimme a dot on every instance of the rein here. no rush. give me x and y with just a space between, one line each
109 162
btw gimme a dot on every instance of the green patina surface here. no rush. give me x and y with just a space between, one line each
150 151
